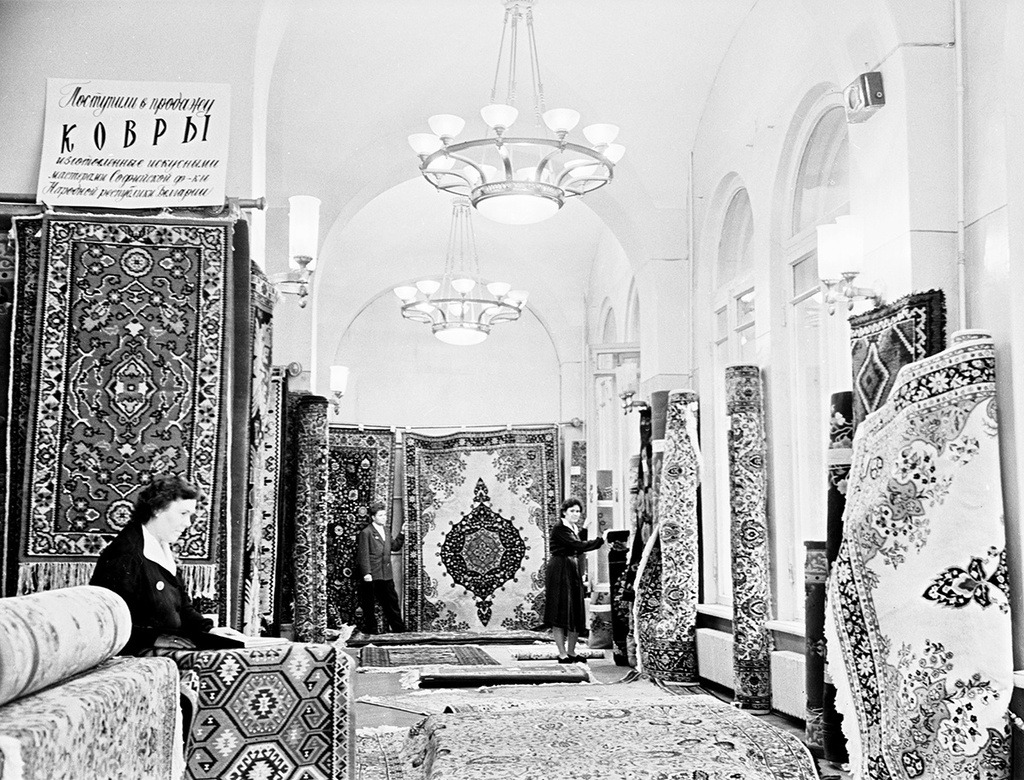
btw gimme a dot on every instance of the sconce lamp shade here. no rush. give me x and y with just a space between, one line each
840 248
626 378
339 379
853 243
303 230
830 252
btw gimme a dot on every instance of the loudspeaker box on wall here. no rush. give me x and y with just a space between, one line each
864 97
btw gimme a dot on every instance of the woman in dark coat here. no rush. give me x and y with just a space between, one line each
138 566
563 606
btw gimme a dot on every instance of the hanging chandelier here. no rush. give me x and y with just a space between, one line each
514 179
461 307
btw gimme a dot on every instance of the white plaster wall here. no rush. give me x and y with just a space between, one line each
103 39
403 376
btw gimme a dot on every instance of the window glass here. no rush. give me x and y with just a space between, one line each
822 186
805 275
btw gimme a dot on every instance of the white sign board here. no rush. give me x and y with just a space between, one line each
134 144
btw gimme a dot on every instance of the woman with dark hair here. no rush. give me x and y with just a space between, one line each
563 606
138 565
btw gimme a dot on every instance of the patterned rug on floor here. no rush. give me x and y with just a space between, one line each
550 653
459 655
523 637
443 676
379 754
497 698
687 737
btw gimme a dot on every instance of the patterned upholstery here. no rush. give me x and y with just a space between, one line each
273 712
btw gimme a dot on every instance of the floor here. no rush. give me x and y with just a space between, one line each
604 670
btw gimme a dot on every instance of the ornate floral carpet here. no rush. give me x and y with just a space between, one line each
91 725
360 469
748 491
310 519
688 737
918 626
889 337
839 453
463 655
261 509
127 379
666 602
480 505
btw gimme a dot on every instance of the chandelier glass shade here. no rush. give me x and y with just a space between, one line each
511 178
460 307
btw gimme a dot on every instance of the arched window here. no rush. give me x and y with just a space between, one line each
610 331
633 317
734 342
818 344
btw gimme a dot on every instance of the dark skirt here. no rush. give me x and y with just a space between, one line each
563 595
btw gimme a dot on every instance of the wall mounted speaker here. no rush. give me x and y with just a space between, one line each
864 97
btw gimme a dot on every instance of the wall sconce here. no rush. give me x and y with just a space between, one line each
303 240
627 377
629 404
339 384
840 256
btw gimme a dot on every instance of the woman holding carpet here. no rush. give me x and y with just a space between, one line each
563 606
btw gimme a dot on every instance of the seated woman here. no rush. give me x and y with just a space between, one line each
139 567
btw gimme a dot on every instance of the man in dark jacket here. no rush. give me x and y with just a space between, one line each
374 548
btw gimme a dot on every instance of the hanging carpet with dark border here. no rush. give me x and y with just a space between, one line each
889 337
479 508
126 378
360 471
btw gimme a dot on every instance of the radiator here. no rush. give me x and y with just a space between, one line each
789 687
714 656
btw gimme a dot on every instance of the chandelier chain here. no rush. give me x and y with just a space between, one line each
538 98
501 50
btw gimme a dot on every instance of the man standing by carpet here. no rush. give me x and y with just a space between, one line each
374 547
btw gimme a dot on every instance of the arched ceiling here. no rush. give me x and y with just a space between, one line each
352 79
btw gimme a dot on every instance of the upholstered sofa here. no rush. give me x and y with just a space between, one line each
69 708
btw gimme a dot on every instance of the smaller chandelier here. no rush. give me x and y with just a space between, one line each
461 307
511 179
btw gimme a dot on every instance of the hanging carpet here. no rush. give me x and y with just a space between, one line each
479 508
262 491
889 337
127 379
918 627
360 471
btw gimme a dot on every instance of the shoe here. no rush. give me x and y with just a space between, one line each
567 660
579 659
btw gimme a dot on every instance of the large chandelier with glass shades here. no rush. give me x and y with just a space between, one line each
461 306
511 178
